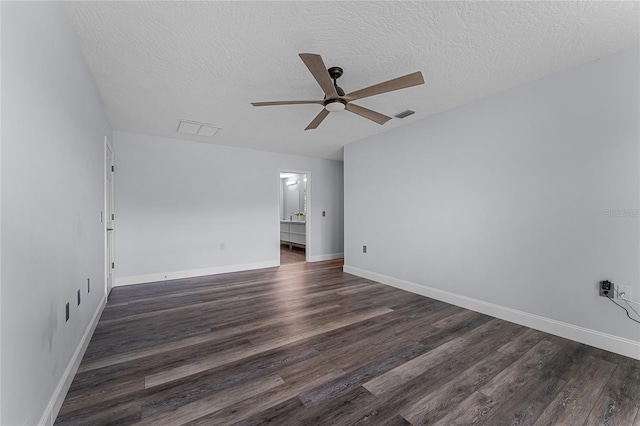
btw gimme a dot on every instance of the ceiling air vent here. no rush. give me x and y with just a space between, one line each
195 128
404 114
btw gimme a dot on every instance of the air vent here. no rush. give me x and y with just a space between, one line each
404 114
195 128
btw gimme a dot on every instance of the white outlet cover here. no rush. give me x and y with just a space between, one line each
626 289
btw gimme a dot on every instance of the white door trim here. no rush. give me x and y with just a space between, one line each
109 198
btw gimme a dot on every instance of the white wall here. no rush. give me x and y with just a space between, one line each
0 218
176 201
504 200
53 127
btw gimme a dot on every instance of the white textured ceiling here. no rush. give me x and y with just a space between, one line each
158 62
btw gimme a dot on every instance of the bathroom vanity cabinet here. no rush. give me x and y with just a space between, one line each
293 233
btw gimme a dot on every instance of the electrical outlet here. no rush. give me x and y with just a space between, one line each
623 291
364 249
607 289
222 247
66 312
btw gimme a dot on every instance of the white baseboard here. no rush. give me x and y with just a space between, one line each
611 343
176 275
55 403
329 256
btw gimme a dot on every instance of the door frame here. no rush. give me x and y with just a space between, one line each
307 228
109 251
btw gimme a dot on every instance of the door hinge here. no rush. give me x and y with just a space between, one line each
113 216
112 168
113 265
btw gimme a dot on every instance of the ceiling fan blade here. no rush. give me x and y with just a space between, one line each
319 71
285 103
367 113
316 121
387 86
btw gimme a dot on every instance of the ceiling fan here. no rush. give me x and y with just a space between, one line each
334 97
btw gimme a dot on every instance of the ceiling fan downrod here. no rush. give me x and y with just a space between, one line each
335 73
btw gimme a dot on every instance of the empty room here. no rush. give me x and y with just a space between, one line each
319 213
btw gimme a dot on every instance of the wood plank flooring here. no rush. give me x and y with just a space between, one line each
291 255
306 344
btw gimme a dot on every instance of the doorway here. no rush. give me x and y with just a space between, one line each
109 217
294 218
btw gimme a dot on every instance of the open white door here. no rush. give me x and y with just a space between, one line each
110 263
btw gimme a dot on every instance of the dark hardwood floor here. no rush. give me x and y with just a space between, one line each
306 344
291 255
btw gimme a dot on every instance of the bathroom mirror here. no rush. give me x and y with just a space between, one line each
293 197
